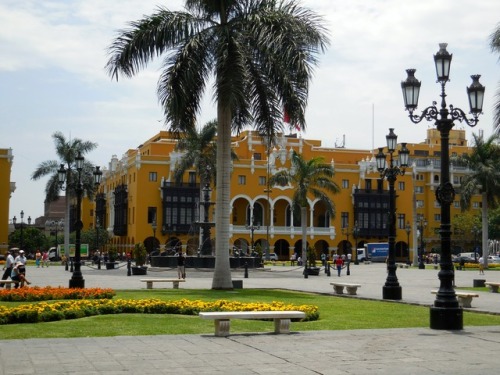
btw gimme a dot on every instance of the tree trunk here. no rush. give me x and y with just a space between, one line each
222 271
303 218
484 214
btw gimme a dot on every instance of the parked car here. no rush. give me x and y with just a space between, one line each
493 259
273 256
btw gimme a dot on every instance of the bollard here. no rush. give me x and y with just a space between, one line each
66 265
99 264
327 268
306 272
71 266
246 270
129 267
348 269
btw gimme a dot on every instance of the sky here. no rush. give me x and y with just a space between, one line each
52 77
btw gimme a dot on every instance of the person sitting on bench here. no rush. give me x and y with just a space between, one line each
18 274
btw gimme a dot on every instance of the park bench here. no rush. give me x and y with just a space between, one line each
8 283
175 282
464 298
402 265
351 288
222 319
493 286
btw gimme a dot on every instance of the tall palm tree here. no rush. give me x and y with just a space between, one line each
308 178
483 161
495 47
261 54
66 150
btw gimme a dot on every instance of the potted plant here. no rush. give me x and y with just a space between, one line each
140 255
112 254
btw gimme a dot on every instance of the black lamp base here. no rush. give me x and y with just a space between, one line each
394 293
446 318
76 283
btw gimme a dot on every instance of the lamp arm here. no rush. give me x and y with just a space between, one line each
430 113
458 114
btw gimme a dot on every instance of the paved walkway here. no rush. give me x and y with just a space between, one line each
473 350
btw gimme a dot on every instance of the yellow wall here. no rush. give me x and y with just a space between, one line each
6 158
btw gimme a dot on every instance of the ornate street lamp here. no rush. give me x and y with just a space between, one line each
77 280
392 290
421 227
252 228
355 233
446 312
408 231
22 225
347 251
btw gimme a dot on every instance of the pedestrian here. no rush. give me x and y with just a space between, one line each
45 259
181 265
19 274
9 263
481 266
21 258
292 259
38 258
339 262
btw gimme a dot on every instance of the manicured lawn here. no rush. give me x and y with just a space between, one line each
336 313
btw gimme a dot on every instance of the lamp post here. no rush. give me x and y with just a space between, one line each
408 231
445 313
475 231
348 232
392 290
355 233
54 227
421 226
77 280
22 225
97 225
252 228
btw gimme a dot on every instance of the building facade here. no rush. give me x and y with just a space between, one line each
7 187
139 201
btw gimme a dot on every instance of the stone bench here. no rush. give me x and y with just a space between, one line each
493 286
464 298
222 319
402 265
175 282
8 283
351 288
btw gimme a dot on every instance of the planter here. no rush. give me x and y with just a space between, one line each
313 271
142 270
110 265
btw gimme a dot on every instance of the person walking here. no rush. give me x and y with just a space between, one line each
481 266
181 265
9 263
339 262
38 258
45 259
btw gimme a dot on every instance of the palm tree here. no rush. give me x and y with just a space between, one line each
312 177
495 47
483 162
261 54
66 150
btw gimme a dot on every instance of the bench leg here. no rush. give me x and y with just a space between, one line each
149 285
464 301
175 284
281 325
339 289
7 286
351 290
494 288
222 327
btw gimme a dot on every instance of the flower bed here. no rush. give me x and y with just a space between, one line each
44 311
51 293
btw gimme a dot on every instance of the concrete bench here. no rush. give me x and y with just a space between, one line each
493 286
175 282
222 320
8 283
464 298
402 265
351 288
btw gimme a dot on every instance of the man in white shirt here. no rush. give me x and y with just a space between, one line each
9 263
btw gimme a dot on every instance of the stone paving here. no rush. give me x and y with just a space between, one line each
473 350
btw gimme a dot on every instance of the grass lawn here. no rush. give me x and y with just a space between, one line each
336 313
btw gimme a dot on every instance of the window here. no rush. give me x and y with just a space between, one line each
419 189
401 185
475 204
456 204
151 214
401 221
345 219
368 184
262 180
153 176
420 177
345 184
242 180
437 217
420 203
257 156
192 177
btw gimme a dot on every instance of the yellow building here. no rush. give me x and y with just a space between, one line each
138 200
6 189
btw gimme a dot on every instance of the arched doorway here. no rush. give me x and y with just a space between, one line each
282 249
